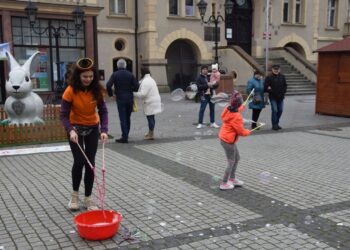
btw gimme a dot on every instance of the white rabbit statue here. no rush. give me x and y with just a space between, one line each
22 105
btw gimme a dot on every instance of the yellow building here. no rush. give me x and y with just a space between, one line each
169 37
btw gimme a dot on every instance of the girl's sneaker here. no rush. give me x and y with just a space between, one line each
73 204
90 204
226 186
235 182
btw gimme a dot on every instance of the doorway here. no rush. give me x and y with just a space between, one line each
182 64
240 22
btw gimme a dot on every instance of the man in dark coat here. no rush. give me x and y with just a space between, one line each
124 84
203 85
276 86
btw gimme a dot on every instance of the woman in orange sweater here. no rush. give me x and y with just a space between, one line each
83 124
230 131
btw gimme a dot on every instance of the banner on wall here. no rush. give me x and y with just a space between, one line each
3 48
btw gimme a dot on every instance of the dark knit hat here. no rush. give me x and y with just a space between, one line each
236 100
276 66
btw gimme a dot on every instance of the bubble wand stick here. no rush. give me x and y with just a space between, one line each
246 100
260 125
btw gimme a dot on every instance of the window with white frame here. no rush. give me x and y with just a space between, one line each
189 7
286 16
298 8
331 13
173 7
349 11
117 7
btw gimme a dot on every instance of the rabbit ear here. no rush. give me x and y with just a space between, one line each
12 61
30 65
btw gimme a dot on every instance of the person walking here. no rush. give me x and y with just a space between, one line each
151 101
257 104
83 125
203 85
276 86
124 84
230 131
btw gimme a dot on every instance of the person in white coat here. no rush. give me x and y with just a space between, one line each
151 102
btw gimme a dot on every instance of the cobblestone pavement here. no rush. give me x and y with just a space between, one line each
295 194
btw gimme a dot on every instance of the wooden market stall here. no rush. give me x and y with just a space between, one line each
333 79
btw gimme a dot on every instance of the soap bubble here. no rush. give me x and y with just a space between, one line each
177 95
308 220
197 135
221 98
265 177
214 182
178 156
191 91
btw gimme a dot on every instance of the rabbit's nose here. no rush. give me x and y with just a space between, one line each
15 87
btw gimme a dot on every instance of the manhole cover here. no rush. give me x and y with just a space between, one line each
330 129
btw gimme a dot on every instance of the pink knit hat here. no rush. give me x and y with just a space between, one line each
236 100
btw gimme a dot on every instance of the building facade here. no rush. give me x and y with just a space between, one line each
24 40
169 37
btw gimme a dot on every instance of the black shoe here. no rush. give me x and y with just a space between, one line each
275 128
121 140
279 127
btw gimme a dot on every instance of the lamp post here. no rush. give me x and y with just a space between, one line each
215 18
57 32
267 32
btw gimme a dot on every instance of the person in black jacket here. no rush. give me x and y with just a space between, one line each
276 86
203 85
124 84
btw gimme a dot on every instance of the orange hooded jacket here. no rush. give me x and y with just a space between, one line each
232 126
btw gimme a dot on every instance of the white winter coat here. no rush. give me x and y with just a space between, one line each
149 94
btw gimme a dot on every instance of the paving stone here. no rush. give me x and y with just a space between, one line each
150 183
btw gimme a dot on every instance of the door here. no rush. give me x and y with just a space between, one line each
240 22
182 64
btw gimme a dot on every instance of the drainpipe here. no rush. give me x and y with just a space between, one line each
136 39
267 9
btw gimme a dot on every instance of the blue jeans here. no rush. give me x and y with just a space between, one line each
124 110
276 111
151 122
205 99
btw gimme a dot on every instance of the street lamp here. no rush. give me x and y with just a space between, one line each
58 32
202 7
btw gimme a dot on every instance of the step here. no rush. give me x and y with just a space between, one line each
297 84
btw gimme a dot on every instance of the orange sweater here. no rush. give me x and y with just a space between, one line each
232 126
83 109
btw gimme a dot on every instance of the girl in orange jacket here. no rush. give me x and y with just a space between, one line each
230 131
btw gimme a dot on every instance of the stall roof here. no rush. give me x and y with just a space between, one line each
340 46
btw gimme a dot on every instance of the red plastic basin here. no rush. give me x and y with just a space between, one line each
98 224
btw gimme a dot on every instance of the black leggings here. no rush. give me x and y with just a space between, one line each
255 117
89 144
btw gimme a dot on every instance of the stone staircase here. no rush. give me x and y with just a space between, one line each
297 83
